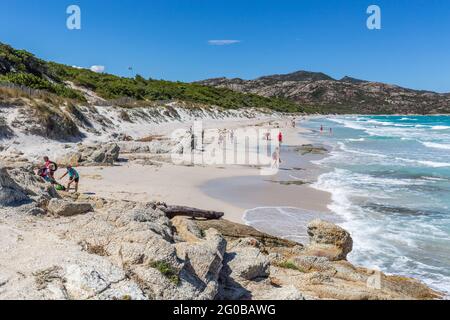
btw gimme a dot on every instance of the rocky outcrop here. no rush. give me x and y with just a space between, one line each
244 265
20 185
105 154
315 271
233 231
65 208
5 130
246 261
329 240
10 192
139 238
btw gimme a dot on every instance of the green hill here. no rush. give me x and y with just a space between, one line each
22 68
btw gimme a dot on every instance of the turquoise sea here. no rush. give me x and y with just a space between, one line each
389 177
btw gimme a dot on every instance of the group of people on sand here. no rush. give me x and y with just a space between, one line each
47 172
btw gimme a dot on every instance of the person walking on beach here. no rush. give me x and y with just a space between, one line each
276 160
280 138
74 177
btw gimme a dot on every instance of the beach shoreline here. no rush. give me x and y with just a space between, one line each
189 185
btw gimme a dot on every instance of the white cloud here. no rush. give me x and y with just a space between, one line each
223 42
77 67
98 69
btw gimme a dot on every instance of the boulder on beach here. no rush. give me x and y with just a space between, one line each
329 240
66 209
105 154
21 185
10 192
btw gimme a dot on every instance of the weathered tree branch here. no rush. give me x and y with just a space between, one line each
172 211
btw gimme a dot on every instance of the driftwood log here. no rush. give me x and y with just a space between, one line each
173 211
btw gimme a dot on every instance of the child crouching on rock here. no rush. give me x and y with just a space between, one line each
74 177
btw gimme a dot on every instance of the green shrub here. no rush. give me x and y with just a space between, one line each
290 265
167 270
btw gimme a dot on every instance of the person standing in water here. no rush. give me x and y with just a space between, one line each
331 131
321 129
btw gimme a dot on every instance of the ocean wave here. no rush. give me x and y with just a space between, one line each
434 164
431 164
436 145
440 127
382 240
386 124
375 187
349 124
343 147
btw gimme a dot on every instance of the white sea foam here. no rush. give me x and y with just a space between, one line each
285 222
440 127
349 124
346 149
436 145
379 238
432 164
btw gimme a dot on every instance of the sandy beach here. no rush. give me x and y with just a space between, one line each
232 189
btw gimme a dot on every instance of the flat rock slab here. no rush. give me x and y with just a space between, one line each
67 209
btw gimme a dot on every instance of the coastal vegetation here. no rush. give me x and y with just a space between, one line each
166 270
22 68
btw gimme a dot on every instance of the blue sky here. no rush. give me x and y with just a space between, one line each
169 39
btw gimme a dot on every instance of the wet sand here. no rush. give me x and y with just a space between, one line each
289 188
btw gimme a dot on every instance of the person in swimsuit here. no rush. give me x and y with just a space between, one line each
50 166
276 160
74 177
44 173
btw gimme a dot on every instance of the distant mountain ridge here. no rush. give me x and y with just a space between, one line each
298 76
348 95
